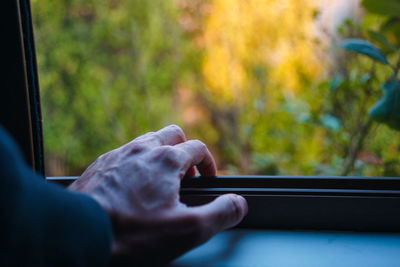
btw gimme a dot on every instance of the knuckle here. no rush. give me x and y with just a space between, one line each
156 138
147 134
107 157
236 210
137 147
143 137
178 131
175 127
201 146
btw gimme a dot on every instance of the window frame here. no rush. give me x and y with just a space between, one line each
275 202
20 102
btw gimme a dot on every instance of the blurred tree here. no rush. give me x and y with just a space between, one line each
248 77
260 59
367 148
108 71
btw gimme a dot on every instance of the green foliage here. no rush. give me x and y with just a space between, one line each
387 110
265 164
381 26
383 7
331 122
363 47
255 92
389 11
392 29
107 71
336 82
381 39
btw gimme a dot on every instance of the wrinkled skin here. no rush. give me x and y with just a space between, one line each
138 186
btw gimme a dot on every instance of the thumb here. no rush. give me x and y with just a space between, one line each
222 213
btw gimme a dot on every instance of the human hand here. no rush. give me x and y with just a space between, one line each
138 186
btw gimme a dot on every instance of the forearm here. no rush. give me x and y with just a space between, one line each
43 224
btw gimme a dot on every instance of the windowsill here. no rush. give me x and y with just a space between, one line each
241 247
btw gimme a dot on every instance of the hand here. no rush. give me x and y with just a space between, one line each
138 186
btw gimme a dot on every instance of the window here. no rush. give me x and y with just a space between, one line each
267 88
294 202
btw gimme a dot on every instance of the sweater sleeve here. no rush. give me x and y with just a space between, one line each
43 224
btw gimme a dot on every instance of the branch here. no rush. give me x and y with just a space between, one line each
359 146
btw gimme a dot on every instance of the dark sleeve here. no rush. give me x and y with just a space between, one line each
42 224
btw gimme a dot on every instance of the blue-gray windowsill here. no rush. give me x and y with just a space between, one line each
295 248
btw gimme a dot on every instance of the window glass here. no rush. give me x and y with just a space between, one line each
265 83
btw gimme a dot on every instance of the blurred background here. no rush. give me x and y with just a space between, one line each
263 82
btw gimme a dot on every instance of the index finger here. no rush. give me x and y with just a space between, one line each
197 154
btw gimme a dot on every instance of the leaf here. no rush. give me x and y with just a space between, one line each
387 109
382 40
366 48
331 122
382 7
365 78
391 28
336 82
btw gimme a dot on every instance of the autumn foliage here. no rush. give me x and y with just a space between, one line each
259 81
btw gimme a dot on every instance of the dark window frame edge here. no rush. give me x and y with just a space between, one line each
373 210
33 92
20 103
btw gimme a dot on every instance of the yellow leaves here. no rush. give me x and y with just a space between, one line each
239 34
295 64
223 74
